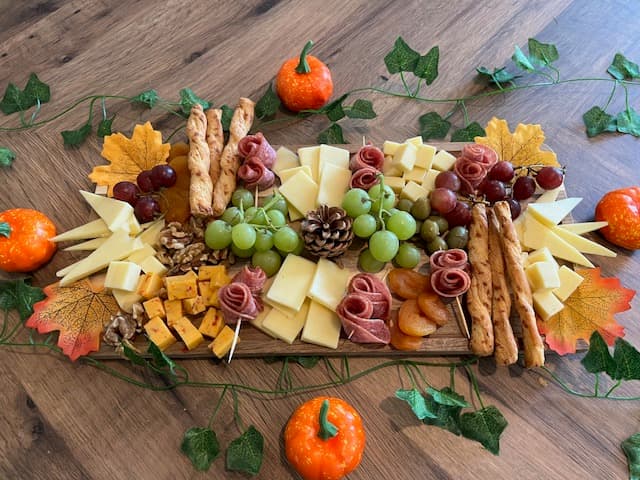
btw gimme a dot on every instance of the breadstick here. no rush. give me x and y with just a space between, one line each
200 187
230 160
215 140
533 346
506 347
479 294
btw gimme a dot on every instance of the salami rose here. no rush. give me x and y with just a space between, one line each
481 154
257 146
374 289
452 258
237 302
450 282
367 156
364 178
471 174
255 174
254 278
355 312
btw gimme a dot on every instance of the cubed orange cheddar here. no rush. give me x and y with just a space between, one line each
150 285
159 333
213 300
204 290
180 287
173 309
154 307
215 274
212 323
194 306
222 343
188 333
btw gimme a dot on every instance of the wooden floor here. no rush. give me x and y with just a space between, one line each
62 421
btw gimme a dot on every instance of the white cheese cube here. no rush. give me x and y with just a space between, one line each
389 148
329 284
292 282
285 327
543 275
334 182
546 304
416 175
541 255
122 276
322 326
334 155
405 157
417 141
287 173
429 181
310 156
424 156
152 265
126 299
413 191
115 213
301 191
389 168
396 183
443 161
569 282
285 159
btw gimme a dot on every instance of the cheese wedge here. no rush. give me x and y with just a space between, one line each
151 234
93 229
329 284
584 227
582 244
546 304
88 245
416 141
139 255
552 213
322 326
115 213
549 195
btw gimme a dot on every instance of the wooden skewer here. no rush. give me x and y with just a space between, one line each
236 334
460 317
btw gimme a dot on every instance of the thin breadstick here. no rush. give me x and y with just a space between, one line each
215 141
479 294
230 160
200 187
506 347
533 346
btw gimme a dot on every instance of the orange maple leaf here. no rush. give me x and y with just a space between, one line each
78 311
591 307
129 157
521 148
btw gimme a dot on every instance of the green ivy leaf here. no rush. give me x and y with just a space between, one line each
598 359
335 110
622 68
427 66
522 61
307 362
498 77
597 121
484 426
628 121
16 100
36 90
225 118
446 416
74 138
417 403
148 98
7 156
201 445
13 100
432 125
188 99
361 109
132 355
5 229
402 58
468 133
446 396
19 295
333 134
631 448
542 53
269 103
245 452
627 360
104 127
160 359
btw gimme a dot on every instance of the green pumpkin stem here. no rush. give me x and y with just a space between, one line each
303 65
327 429
5 229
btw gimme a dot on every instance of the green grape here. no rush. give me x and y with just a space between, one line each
388 199
457 237
278 219
269 261
429 230
232 216
356 202
418 228
243 236
279 204
217 235
408 255
286 239
443 225
421 209
242 253
256 216
435 245
405 205
243 197
264 240
300 247
367 263
364 226
402 224
383 245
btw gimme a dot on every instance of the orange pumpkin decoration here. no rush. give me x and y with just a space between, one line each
324 439
304 83
25 240
621 208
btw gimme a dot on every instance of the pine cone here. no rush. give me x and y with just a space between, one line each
327 231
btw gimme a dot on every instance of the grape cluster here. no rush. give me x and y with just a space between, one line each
139 194
257 232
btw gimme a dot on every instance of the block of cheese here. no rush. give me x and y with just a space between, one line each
322 326
152 265
582 244
541 255
285 159
546 304
222 343
334 155
126 300
87 245
301 192
287 173
150 285
92 229
416 175
287 311
188 333
417 141
151 234
552 213
195 305
405 157
259 320
390 148
173 310
115 213
543 275
424 156
329 284
212 323
292 282
549 195
139 255
154 307
396 183
284 327
389 168
413 191
134 225
122 276
310 156
182 286
429 181
569 282
159 333
443 161
216 274
334 182
583 227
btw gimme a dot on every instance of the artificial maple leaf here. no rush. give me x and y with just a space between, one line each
591 307
174 201
521 148
130 156
78 312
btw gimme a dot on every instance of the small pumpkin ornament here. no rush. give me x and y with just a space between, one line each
621 209
25 240
324 439
304 83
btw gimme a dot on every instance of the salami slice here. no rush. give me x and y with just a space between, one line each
237 302
450 282
355 312
253 277
257 146
374 289
481 154
365 178
367 156
254 174
452 258
470 172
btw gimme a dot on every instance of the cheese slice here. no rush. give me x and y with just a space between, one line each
293 213
329 284
334 155
583 244
151 234
285 159
122 276
292 282
552 213
115 213
139 255
301 191
583 227
424 156
152 265
334 182
93 229
549 195
322 326
259 320
443 161
287 173
310 156
284 327
569 282
88 245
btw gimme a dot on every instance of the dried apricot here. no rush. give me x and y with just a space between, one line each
401 341
408 283
412 321
432 306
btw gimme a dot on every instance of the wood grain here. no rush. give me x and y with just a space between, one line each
87 424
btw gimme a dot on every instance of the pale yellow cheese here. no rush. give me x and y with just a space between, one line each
390 148
541 255
286 311
413 191
152 265
429 181
334 155
322 326
443 161
310 156
293 213
396 183
389 168
417 141
416 175
569 282
583 227
518 224
134 225
549 195
151 234
287 173
405 157
582 244
546 304
552 213
126 299
292 282
424 156
122 276
139 255
543 275
334 182
329 284
259 320
115 213
92 229
301 191
87 245
285 159
285 327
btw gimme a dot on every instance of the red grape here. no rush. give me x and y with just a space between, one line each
146 209
144 181
523 188
494 190
163 176
126 192
459 216
448 180
515 208
443 200
549 177
502 171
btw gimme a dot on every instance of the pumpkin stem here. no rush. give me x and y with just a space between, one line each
303 65
327 429
5 229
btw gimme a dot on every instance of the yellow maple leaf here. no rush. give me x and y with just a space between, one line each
129 157
521 148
